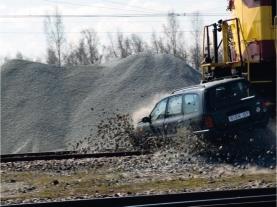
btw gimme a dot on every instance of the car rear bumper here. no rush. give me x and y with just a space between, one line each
260 121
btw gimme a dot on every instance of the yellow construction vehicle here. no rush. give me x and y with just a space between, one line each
244 45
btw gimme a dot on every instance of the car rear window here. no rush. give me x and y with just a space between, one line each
226 94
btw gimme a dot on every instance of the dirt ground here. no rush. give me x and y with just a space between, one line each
40 181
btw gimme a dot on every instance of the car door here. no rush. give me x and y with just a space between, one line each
192 107
174 115
157 118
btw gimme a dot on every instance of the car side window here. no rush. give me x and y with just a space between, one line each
191 103
174 106
159 111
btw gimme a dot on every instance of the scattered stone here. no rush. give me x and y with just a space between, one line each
211 181
30 188
118 195
55 182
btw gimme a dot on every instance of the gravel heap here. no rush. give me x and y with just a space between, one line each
44 107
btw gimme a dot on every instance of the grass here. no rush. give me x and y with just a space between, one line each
94 183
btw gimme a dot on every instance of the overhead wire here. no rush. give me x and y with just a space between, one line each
153 10
34 32
94 6
108 15
85 21
112 2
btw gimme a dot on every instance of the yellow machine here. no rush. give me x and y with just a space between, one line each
247 46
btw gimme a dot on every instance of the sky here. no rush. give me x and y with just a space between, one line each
26 35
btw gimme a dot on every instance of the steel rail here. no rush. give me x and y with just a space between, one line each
64 155
214 202
246 204
38 154
242 197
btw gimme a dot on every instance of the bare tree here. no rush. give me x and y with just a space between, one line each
182 51
51 57
81 54
173 41
110 50
120 47
4 59
195 50
92 45
123 45
54 30
127 45
86 52
70 56
137 44
77 55
154 42
19 56
171 33
158 44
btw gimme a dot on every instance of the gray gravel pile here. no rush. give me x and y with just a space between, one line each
44 107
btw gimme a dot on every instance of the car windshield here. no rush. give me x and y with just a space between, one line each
225 94
159 111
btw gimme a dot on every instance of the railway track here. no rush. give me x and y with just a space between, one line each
231 198
63 155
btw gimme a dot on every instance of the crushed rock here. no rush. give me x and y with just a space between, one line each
44 107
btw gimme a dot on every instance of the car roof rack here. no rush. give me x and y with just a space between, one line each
221 78
187 88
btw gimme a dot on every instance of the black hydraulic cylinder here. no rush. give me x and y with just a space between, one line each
208 43
215 43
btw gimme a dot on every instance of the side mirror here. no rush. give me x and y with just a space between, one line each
146 119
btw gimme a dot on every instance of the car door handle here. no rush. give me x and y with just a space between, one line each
246 98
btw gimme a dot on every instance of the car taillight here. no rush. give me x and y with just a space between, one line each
208 121
265 104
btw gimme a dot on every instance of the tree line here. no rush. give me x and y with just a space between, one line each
89 49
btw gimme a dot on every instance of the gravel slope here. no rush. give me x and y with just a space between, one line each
44 107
